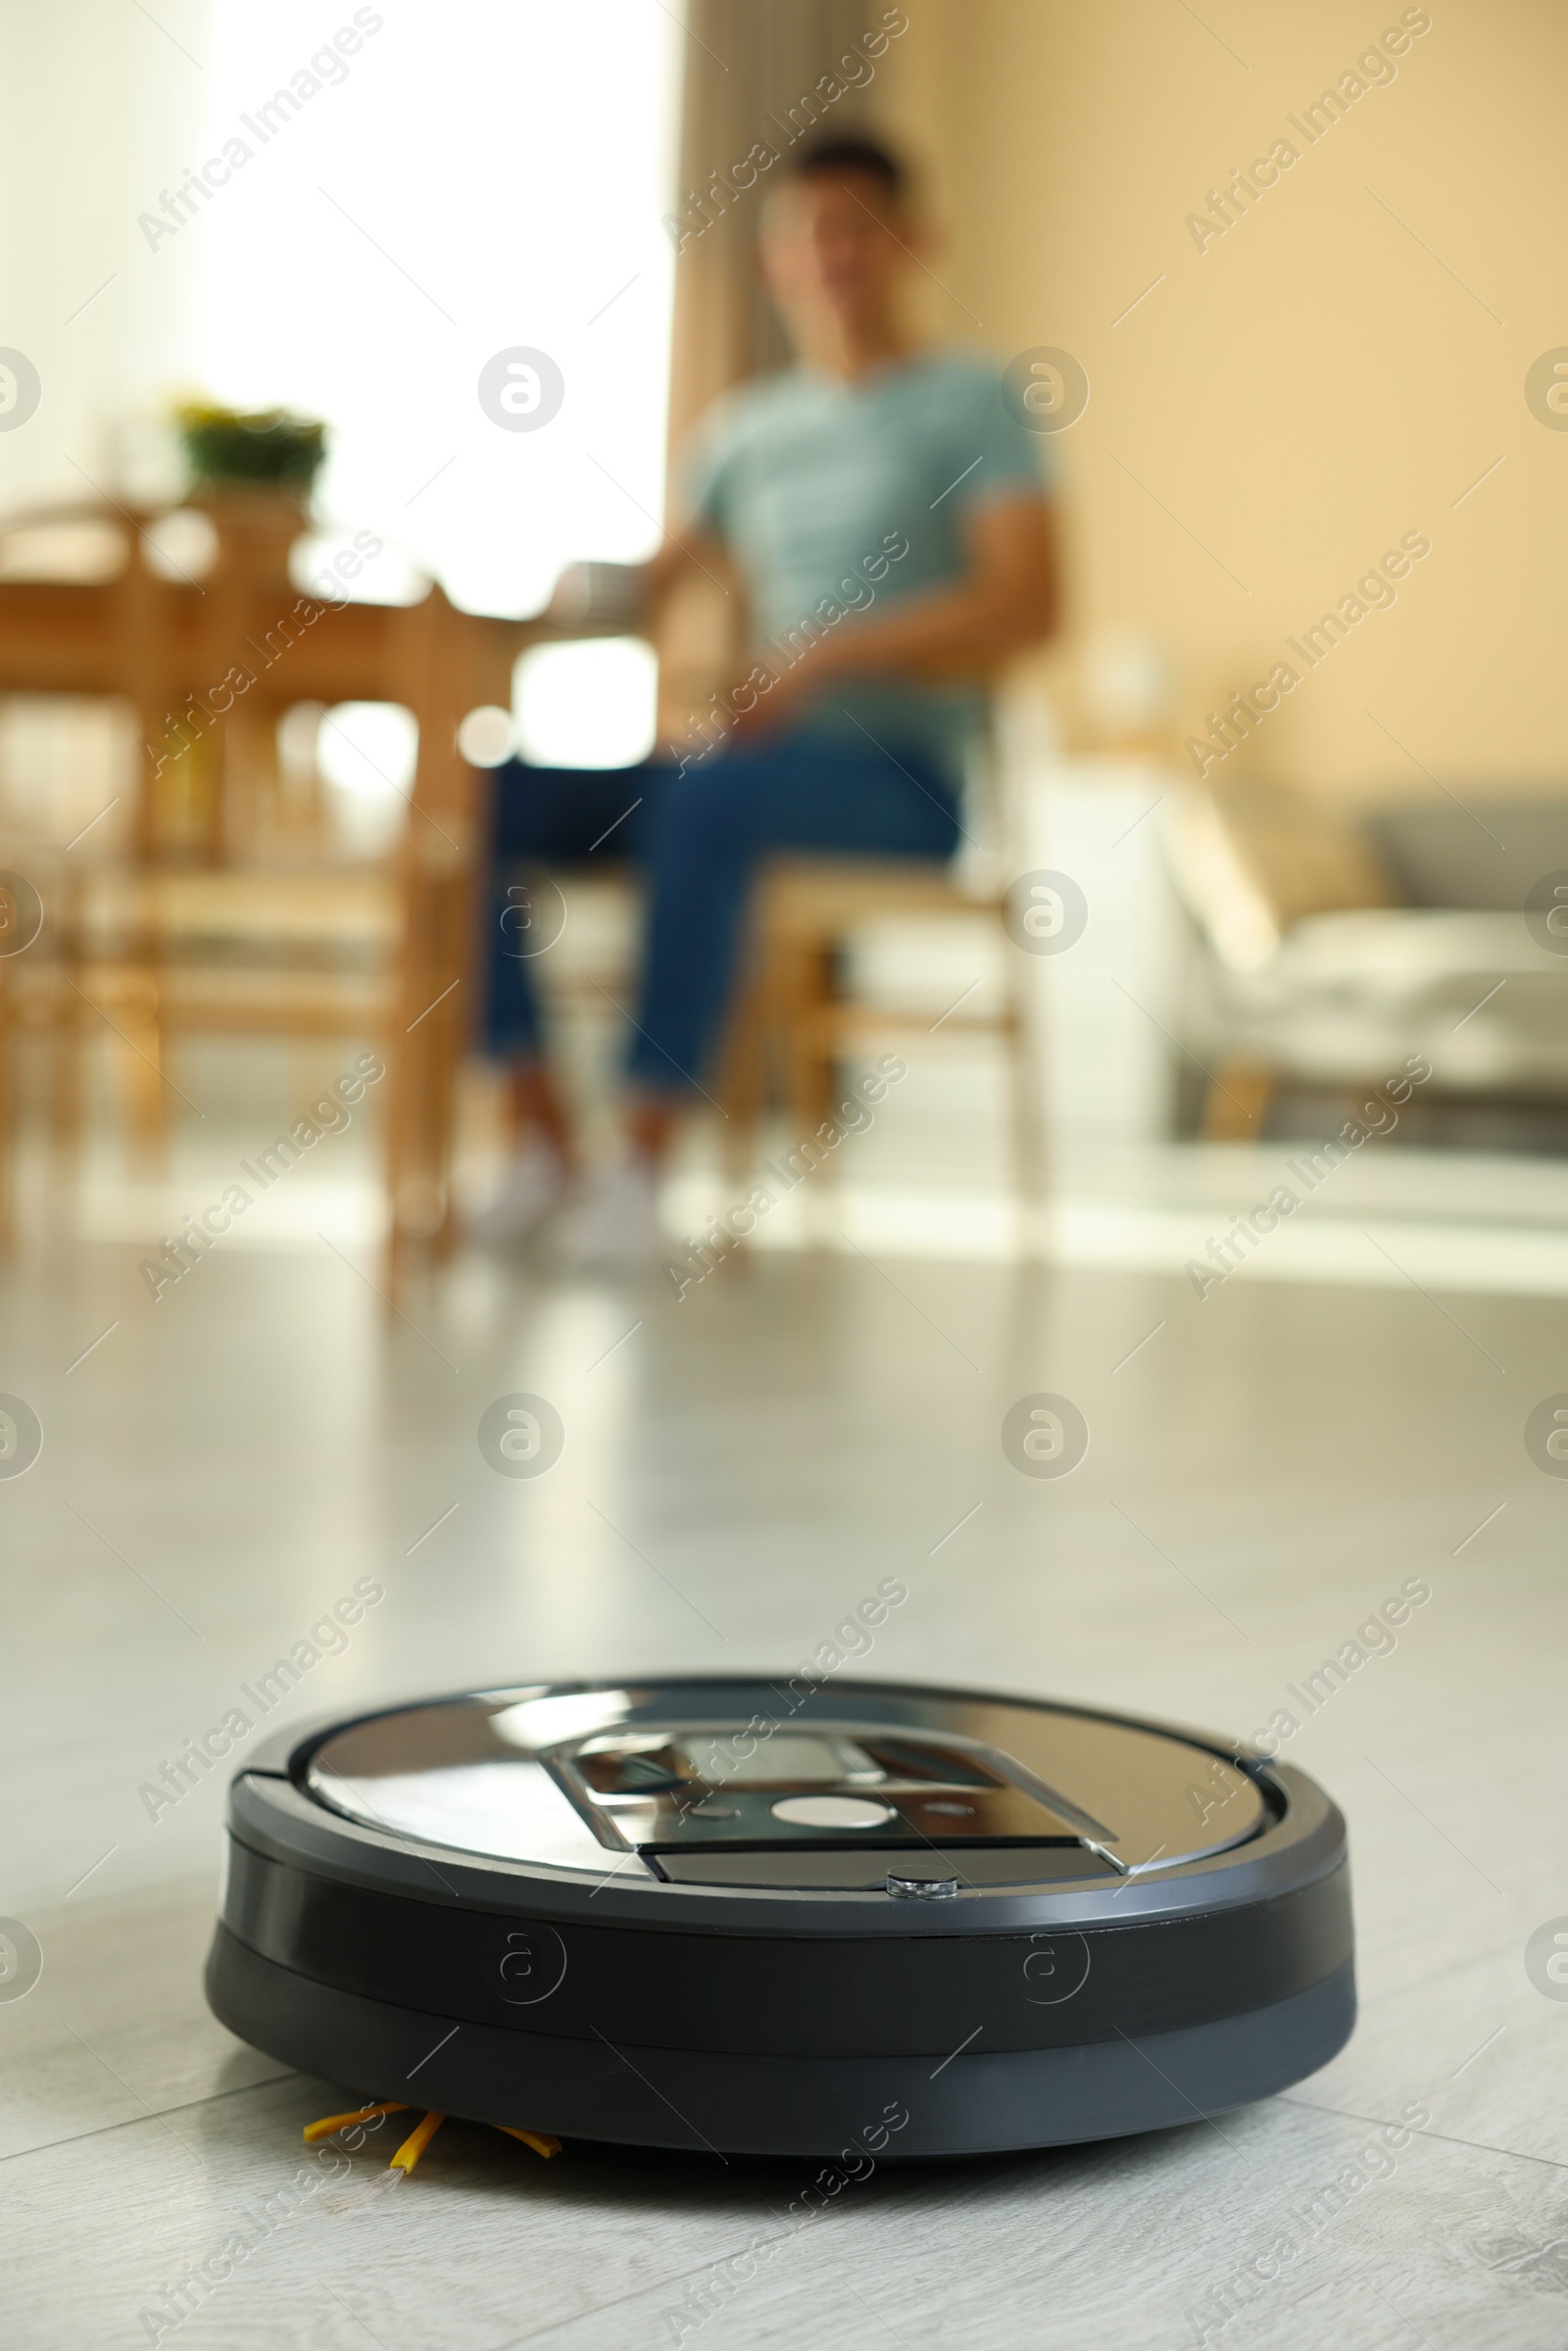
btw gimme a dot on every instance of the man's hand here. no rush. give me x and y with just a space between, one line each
962 630
767 699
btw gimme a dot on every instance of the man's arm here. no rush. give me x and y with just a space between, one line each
679 554
1005 600
633 596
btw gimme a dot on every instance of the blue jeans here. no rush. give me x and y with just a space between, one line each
697 836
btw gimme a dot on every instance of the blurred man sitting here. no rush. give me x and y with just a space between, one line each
886 514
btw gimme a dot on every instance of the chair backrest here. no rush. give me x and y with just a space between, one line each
1251 860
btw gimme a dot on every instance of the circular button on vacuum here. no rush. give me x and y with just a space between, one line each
830 1812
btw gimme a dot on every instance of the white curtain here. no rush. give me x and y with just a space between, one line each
755 71
100 105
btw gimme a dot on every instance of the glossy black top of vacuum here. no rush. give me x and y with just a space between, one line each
755 1918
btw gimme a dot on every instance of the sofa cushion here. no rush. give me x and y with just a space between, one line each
1439 855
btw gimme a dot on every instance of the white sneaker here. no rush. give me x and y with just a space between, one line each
614 1226
533 1187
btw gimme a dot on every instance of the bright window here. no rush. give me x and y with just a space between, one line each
463 184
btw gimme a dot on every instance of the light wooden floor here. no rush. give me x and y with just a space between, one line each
739 1470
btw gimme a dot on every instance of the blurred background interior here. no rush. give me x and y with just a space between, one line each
224 898
215 913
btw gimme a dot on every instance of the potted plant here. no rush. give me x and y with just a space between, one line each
268 450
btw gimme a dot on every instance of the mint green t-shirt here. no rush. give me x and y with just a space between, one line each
835 498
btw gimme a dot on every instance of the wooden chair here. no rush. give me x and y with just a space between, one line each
797 1013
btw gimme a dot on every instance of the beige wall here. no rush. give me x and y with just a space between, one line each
1315 382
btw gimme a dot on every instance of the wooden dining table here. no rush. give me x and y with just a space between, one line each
202 658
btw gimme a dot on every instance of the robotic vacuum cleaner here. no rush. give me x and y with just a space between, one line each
724 1915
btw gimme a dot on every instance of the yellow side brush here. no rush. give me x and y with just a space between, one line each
540 2141
418 2138
413 2146
331 2123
